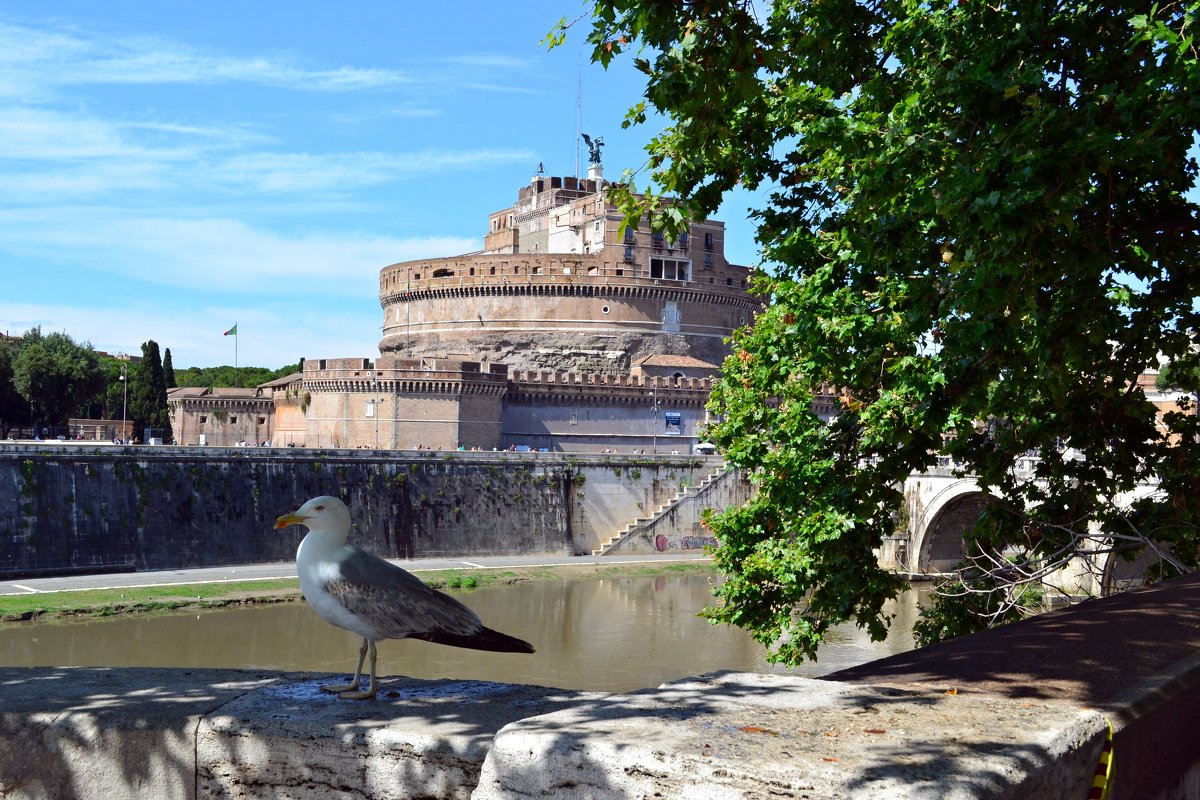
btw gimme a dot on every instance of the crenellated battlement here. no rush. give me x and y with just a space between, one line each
551 273
398 375
598 389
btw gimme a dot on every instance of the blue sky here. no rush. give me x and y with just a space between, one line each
169 169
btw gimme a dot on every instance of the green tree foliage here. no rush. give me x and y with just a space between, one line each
148 393
14 410
977 231
168 367
229 377
55 375
113 397
1183 375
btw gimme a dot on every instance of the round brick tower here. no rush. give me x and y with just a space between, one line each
559 287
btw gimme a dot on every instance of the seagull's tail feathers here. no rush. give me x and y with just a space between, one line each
485 639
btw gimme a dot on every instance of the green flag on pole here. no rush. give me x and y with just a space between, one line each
232 331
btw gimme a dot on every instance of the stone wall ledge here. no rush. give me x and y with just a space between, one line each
136 733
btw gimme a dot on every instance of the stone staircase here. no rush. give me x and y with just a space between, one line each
643 522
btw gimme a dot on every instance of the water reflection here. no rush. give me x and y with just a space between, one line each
613 634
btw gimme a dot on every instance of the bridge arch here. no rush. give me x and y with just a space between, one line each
938 526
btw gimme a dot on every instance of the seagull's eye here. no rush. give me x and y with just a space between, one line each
320 508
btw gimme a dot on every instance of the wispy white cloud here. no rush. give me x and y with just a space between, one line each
38 58
213 254
34 60
300 172
269 334
81 183
38 134
55 154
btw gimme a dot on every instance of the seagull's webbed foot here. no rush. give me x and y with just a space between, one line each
340 688
368 693
344 689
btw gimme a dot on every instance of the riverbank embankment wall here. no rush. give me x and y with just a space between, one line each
71 507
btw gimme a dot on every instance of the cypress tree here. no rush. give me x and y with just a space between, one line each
148 394
168 370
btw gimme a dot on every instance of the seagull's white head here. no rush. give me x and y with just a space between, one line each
321 514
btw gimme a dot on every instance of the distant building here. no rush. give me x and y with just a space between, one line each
563 333
222 417
560 287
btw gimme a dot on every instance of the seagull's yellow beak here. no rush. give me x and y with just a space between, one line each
290 519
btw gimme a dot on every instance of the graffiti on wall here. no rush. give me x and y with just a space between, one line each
662 543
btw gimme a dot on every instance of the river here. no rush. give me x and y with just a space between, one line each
610 634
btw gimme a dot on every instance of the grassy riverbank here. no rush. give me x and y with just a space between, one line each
145 600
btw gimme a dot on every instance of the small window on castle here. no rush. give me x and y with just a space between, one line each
729 281
629 253
232 420
203 418
708 241
619 271
628 234
443 273
472 271
491 270
262 420
708 262
683 240
604 309
596 226
417 277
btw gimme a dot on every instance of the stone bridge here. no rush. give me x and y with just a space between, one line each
940 506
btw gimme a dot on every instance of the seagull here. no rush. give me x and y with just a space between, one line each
352 589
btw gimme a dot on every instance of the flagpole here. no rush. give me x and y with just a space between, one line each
234 333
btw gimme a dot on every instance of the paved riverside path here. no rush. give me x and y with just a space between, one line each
287 569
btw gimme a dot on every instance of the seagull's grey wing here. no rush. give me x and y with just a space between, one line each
394 602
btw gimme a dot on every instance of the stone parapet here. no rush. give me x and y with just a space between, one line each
137 733
561 273
764 736
1131 656
1021 712
391 374
131 734
538 386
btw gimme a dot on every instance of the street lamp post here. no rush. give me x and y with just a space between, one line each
124 399
654 430
375 401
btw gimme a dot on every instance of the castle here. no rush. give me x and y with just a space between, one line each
563 333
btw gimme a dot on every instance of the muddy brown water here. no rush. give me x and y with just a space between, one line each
612 634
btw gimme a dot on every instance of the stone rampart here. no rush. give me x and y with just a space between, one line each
70 507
